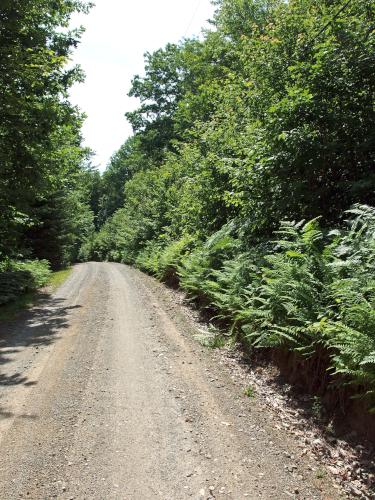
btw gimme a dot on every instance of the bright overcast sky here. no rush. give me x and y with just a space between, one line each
118 33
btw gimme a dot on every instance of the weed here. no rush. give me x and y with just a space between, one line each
320 473
211 338
249 391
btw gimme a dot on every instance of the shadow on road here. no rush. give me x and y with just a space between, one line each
39 326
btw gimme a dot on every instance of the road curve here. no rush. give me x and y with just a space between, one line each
105 395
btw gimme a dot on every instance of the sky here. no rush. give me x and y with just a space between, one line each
118 33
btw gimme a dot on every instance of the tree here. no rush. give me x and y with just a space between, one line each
39 129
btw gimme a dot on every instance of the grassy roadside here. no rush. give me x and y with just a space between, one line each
9 311
58 277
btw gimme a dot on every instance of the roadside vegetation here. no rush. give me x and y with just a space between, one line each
24 283
249 182
58 278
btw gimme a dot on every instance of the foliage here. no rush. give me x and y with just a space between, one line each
198 267
266 98
121 168
17 277
44 202
249 391
311 295
289 299
267 118
164 261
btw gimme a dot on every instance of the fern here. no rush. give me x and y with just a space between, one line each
310 292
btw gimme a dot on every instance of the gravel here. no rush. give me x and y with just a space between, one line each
120 402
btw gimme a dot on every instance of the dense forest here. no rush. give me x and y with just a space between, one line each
249 180
46 182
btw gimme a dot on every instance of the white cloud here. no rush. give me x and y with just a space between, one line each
118 33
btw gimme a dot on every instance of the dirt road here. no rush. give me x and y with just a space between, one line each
106 395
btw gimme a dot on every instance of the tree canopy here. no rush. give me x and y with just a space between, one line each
41 158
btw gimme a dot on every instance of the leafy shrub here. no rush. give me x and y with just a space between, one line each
17 277
171 258
316 297
290 298
231 283
148 257
312 294
163 260
351 328
198 267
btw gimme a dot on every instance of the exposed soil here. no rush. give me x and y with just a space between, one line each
105 394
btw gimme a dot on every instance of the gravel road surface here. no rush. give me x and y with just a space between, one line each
105 394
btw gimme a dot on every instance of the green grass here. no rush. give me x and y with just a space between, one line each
8 312
58 277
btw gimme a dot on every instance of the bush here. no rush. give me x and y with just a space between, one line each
313 294
197 269
171 258
290 297
163 260
18 277
148 257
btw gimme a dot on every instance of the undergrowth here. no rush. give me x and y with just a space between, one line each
24 280
310 291
19 277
